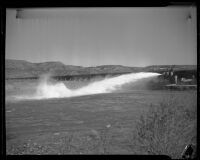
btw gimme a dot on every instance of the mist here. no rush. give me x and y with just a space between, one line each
47 88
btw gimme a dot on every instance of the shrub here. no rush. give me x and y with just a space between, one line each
166 129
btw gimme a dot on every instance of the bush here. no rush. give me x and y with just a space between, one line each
166 129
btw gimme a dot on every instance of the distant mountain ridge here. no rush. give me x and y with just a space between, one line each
23 69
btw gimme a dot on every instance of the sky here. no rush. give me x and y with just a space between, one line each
103 36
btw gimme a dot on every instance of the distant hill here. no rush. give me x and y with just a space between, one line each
160 68
25 69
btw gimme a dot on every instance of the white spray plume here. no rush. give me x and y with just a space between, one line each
47 89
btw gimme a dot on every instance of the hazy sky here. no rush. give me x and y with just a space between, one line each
101 36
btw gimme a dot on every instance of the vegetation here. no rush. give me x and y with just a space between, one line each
166 129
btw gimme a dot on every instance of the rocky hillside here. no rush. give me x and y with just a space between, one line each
25 69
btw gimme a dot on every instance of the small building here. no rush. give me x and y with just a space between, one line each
186 80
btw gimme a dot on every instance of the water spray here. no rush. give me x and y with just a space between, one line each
47 89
